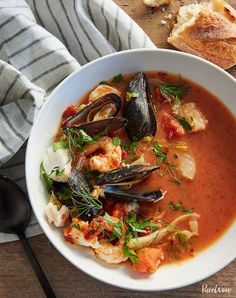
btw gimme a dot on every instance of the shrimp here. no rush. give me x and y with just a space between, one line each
102 90
112 254
104 162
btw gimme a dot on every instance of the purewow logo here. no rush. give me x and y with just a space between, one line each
215 289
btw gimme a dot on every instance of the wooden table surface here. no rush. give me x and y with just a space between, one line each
16 276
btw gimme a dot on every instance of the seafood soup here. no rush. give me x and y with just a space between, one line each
142 170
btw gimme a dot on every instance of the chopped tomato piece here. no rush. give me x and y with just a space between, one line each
172 126
70 111
67 235
118 210
149 259
159 96
91 234
123 153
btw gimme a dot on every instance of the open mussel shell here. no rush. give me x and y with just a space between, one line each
111 100
139 110
77 181
102 126
114 192
128 173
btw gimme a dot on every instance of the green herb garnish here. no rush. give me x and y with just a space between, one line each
130 96
179 207
185 123
171 169
173 93
139 227
83 202
77 138
117 233
57 172
130 253
62 144
131 146
161 155
46 178
65 194
116 141
77 226
118 78
103 83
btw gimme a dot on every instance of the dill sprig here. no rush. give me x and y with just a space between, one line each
173 93
83 202
171 169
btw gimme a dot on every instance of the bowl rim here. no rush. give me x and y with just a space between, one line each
28 153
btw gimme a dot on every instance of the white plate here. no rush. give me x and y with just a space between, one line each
69 91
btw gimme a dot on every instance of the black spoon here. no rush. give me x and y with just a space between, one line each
14 217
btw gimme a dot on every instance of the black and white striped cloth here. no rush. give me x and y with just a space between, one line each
41 43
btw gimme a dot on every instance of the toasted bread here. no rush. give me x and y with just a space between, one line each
207 30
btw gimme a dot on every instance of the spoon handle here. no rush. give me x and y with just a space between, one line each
36 266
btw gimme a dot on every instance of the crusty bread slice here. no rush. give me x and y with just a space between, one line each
156 3
207 30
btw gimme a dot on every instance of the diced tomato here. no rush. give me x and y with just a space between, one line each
118 210
149 259
67 235
171 126
114 162
159 97
123 153
91 234
70 111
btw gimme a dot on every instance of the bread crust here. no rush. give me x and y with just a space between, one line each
212 36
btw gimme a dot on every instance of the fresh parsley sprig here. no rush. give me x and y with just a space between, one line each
46 178
77 138
130 253
135 226
131 146
161 155
117 227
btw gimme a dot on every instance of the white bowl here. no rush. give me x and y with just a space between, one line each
69 91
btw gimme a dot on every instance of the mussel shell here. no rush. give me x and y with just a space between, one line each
89 214
99 103
114 192
77 181
139 110
127 173
102 126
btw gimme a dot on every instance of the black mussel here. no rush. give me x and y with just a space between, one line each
139 109
87 207
105 107
78 182
127 174
107 125
114 192
90 213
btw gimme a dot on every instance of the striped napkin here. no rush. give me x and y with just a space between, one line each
41 43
